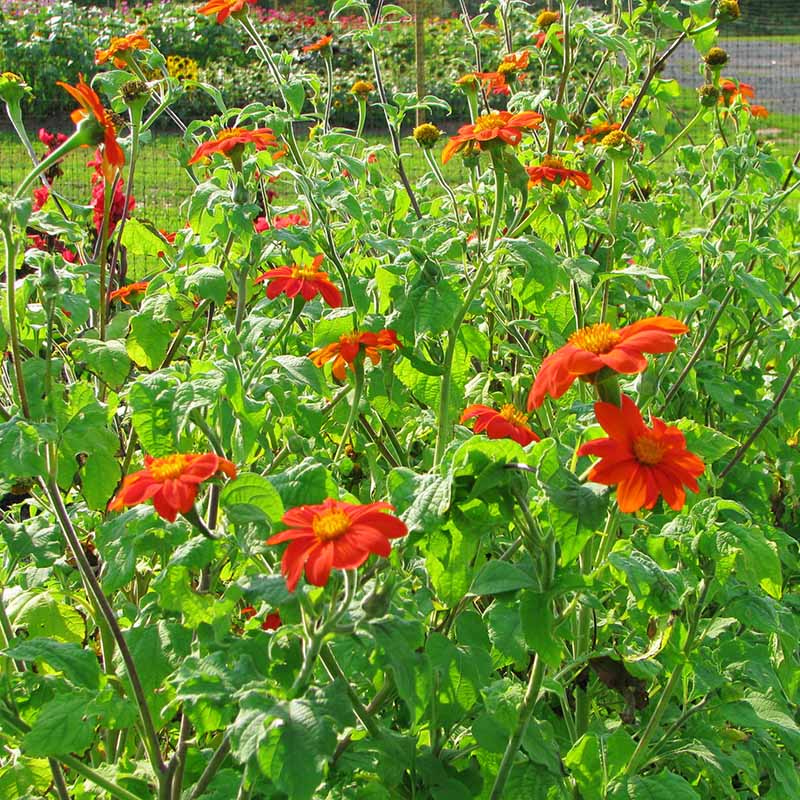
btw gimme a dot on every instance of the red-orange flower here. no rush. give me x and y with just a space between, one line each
170 482
230 140
272 622
541 38
318 45
729 90
591 349
90 105
124 292
499 82
494 82
507 423
346 348
308 281
599 132
224 8
334 535
643 462
500 125
552 170
262 224
759 111
122 45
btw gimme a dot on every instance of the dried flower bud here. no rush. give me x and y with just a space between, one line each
728 9
716 57
362 89
708 94
547 18
618 143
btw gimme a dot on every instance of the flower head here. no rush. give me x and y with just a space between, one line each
468 83
547 18
716 57
306 280
346 349
643 462
224 8
231 141
320 44
728 9
40 197
279 222
598 346
596 134
495 82
502 126
124 292
170 482
426 135
91 107
708 95
334 535
120 49
552 170
13 88
362 89
730 90
507 423
758 111
618 141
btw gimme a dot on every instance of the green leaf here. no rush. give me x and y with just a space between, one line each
99 477
421 500
664 786
108 360
148 340
45 615
251 498
22 448
537 625
208 283
63 726
583 762
496 577
23 775
305 483
143 246
79 666
650 585
152 398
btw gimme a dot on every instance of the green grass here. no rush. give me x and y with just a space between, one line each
789 38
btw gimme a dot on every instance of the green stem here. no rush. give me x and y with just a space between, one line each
358 388
686 129
525 714
108 194
326 121
617 174
11 311
76 140
297 307
434 166
499 196
362 116
577 306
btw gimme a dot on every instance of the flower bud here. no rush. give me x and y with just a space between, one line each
362 89
728 9
618 142
13 88
716 57
547 18
426 135
708 94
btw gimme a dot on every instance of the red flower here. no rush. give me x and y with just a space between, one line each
507 423
552 170
261 224
307 281
99 197
122 45
345 350
230 140
541 37
643 462
759 111
170 482
598 133
40 196
334 535
500 125
124 292
591 349
729 90
272 622
318 45
224 8
90 105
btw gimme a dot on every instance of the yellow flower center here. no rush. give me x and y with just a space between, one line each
513 416
508 69
547 18
597 339
617 138
229 133
305 273
168 467
648 450
552 162
488 122
330 524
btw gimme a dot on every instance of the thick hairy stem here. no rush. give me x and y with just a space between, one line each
212 768
65 523
358 388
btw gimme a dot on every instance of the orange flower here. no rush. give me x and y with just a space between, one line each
334 535
507 423
261 224
122 45
759 111
224 8
499 82
500 125
599 132
170 482
124 292
230 141
642 462
729 90
345 350
516 61
495 82
541 38
591 349
307 281
318 45
90 105
552 170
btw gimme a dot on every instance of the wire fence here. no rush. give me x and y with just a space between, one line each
763 46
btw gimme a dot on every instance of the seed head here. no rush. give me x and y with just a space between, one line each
716 57
426 135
